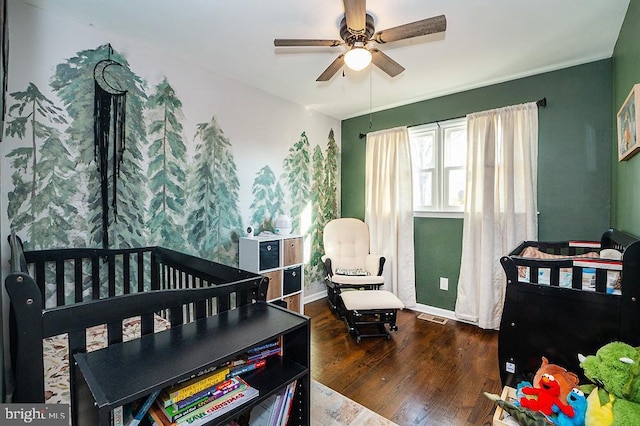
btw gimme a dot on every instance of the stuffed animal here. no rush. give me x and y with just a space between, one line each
523 416
546 397
566 379
615 370
578 402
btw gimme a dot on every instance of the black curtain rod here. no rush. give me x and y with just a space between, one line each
540 103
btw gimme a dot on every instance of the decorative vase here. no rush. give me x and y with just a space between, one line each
283 225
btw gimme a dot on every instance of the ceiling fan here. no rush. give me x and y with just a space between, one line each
357 31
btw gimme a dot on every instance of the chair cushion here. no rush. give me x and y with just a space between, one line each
357 279
352 272
370 299
346 242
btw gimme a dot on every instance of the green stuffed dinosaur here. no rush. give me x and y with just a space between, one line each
615 371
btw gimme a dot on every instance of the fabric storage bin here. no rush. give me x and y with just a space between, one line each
269 255
292 280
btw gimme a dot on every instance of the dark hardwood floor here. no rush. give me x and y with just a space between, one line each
427 374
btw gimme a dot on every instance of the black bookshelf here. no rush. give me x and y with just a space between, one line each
122 373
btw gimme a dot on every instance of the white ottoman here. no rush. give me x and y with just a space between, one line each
367 312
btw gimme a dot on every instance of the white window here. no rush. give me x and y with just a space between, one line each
439 159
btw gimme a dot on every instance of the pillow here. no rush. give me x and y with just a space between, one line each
352 272
612 254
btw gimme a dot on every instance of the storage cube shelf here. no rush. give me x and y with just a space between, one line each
280 258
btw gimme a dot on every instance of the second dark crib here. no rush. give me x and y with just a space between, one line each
557 317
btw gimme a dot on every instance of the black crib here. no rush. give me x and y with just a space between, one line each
559 322
69 290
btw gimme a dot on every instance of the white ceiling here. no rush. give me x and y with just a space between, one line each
486 42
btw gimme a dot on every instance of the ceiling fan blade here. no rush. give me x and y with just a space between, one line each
332 69
295 42
355 14
385 63
437 24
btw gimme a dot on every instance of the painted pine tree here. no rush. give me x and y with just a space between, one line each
214 223
167 178
298 179
313 270
74 82
39 203
330 203
268 200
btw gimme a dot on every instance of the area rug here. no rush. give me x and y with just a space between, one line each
329 408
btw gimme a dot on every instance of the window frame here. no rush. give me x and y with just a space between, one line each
440 188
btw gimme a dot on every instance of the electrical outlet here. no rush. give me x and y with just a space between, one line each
444 283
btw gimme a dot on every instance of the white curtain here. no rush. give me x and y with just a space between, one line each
500 205
389 208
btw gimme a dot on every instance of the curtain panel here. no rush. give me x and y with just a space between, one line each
500 206
389 208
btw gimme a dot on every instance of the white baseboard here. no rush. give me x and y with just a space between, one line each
315 296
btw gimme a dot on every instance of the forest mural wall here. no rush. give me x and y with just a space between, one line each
183 182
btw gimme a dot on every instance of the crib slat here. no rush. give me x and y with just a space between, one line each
60 283
174 278
601 280
576 278
111 261
224 303
77 342
114 332
554 278
533 274
126 274
95 278
40 279
244 297
155 273
77 279
141 271
146 324
200 309
176 316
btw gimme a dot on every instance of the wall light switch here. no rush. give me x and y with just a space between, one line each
444 283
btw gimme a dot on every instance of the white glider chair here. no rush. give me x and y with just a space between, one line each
353 277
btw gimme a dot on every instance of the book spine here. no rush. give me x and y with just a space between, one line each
117 416
144 408
158 416
245 368
214 390
264 354
202 384
275 410
226 404
263 347
217 395
286 406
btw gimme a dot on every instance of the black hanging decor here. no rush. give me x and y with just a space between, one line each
109 110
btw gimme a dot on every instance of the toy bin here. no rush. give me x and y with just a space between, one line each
500 417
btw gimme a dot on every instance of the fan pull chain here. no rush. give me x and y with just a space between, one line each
370 97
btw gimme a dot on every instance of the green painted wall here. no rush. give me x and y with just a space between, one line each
432 262
626 174
574 170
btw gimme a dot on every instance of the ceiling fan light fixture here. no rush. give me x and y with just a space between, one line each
358 58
